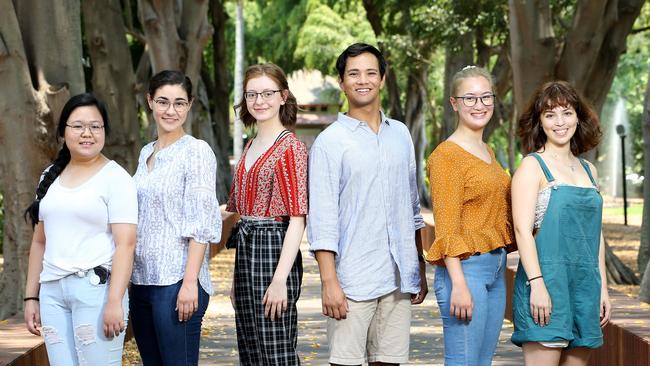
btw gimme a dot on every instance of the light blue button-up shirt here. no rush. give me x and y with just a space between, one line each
364 206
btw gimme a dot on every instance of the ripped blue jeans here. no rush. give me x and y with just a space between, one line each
71 312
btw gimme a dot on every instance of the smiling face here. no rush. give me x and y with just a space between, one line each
362 81
87 143
173 97
477 116
559 124
264 106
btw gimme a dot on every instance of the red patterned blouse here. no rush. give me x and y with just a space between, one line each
276 183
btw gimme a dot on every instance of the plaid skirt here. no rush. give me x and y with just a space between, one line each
260 340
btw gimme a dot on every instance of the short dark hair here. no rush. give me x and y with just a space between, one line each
355 50
63 157
170 77
549 96
288 111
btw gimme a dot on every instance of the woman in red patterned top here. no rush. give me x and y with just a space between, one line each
269 191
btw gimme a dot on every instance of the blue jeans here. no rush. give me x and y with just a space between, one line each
474 342
71 310
161 338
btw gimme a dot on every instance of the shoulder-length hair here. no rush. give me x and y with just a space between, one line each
549 96
288 111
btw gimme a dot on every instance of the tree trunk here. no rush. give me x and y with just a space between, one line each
589 53
617 271
27 125
455 59
239 79
644 293
220 95
644 248
416 102
113 78
51 32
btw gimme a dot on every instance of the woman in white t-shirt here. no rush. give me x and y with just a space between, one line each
80 261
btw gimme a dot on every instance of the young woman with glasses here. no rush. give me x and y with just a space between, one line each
470 193
560 300
269 191
178 217
84 218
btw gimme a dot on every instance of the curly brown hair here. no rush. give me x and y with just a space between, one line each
288 111
549 96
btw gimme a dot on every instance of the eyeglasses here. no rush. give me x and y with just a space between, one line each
79 128
252 96
470 101
162 105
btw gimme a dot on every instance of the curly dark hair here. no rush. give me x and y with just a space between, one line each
550 95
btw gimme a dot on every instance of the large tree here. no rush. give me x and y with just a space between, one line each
40 65
644 249
580 44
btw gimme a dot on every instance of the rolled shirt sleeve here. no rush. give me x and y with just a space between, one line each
201 214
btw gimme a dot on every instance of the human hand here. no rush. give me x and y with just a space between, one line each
32 316
540 303
424 286
187 300
275 300
335 304
605 307
461 304
113 319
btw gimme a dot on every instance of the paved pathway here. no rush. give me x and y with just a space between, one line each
219 340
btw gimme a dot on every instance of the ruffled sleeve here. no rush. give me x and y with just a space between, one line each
291 180
201 214
447 194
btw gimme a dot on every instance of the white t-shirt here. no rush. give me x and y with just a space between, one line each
77 221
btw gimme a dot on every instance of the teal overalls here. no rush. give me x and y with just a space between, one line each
567 246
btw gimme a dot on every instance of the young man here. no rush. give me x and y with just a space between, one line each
364 220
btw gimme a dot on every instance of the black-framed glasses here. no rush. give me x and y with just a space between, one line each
266 94
79 128
470 101
162 105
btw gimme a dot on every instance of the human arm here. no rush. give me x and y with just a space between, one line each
201 221
122 265
418 223
32 287
424 287
275 297
447 196
323 235
334 302
187 301
525 187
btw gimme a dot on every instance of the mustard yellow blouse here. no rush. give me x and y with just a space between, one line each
471 204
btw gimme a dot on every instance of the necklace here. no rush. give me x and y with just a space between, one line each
571 166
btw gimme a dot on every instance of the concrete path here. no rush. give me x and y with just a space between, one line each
219 340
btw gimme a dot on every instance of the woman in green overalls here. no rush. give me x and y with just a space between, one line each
560 299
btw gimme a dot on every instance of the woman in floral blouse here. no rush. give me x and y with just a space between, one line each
269 191
178 216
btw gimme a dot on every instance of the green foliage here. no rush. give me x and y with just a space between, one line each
326 32
630 84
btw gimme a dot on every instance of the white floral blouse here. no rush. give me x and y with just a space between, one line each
177 202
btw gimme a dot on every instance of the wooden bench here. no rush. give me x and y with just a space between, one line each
18 347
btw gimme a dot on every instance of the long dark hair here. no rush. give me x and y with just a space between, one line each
63 157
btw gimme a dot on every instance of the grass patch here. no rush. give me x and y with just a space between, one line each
632 210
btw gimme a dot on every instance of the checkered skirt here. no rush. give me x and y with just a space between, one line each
263 342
